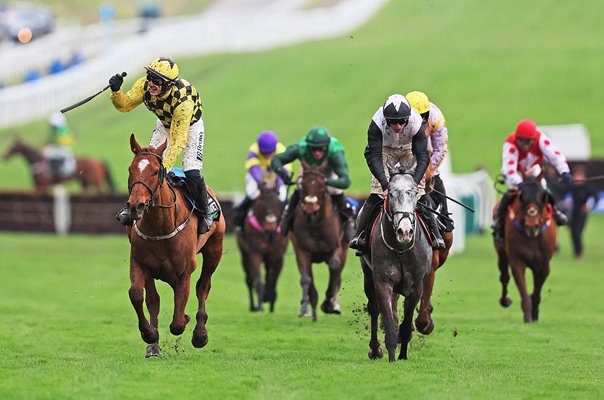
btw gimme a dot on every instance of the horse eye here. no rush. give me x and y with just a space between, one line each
156 173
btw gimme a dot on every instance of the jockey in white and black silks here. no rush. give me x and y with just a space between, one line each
438 143
523 152
396 136
259 172
177 105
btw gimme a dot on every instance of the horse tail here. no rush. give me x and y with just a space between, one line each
109 177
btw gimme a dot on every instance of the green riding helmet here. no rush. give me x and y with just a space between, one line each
317 138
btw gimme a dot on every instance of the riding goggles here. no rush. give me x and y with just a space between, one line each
156 80
401 121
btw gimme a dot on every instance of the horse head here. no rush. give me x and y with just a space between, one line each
532 198
18 147
145 177
313 185
400 204
267 207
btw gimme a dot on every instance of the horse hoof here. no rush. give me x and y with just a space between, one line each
375 354
304 312
153 350
199 341
424 327
505 302
331 307
177 330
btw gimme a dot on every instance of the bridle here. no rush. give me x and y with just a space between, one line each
390 218
151 202
160 180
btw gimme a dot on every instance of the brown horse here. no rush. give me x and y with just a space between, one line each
164 244
317 236
529 240
89 172
260 242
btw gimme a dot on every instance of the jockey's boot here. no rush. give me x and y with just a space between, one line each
438 242
499 219
559 216
360 242
201 200
123 217
346 211
289 212
241 212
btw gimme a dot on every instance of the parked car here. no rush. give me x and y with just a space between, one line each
38 19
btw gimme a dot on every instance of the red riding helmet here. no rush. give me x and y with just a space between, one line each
526 129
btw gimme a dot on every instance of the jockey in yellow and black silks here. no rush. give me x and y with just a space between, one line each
177 105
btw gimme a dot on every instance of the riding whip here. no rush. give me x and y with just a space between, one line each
454 201
87 99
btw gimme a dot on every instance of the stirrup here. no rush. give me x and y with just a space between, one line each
439 244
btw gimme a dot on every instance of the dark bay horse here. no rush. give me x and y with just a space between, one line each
317 236
89 172
398 264
529 241
164 244
260 242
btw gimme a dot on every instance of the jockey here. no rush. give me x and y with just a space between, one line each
317 146
259 172
58 150
396 135
523 152
177 105
438 134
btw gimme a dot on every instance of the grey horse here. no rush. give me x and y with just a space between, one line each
398 263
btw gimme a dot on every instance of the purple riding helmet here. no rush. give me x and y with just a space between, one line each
267 142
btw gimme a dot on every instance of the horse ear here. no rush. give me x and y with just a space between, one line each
304 164
134 146
391 171
162 147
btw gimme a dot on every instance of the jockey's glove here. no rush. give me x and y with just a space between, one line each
567 178
115 82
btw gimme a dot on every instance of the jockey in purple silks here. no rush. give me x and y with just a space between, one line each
259 172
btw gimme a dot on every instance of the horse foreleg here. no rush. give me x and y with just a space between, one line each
304 267
384 299
253 280
375 350
136 294
152 302
212 253
406 327
504 277
539 279
331 304
274 265
518 269
181 296
423 322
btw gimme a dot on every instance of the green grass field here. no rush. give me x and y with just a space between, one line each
68 331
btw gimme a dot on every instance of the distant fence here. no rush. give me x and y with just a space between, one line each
63 213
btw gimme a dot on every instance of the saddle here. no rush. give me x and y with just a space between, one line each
188 189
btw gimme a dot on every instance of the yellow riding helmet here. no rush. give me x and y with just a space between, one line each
419 101
163 68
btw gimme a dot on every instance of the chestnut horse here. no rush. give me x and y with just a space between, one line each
260 242
164 244
529 240
317 236
398 264
89 172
